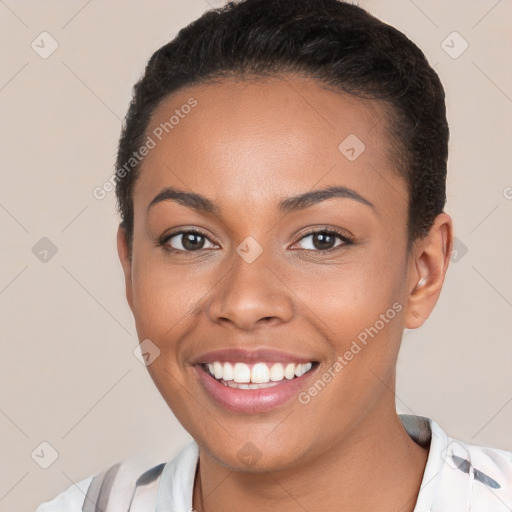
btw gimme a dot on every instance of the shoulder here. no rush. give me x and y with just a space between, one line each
459 475
480 474
70 500
127 484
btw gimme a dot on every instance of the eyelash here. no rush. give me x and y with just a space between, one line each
331 231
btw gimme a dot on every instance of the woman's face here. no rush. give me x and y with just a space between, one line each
257 285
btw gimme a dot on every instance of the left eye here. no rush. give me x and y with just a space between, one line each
323 240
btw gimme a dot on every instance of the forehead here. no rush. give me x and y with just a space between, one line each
263 139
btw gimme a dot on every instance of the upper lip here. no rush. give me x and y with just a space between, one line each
250 356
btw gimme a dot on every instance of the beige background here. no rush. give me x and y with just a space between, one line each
68 374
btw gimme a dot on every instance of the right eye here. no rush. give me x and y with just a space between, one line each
184 241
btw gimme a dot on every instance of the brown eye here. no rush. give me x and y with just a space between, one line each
324 240
186 241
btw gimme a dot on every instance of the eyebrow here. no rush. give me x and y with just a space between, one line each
303 201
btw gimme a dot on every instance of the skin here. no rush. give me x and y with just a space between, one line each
246 146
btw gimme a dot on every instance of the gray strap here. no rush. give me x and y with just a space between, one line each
150 475
464 465
106 487
146 490
91 498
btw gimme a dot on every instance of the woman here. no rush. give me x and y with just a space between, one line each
281 185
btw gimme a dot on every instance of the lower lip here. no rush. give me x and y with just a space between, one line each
252 400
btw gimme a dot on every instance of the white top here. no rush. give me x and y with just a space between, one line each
458 477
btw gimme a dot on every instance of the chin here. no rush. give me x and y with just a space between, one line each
252 456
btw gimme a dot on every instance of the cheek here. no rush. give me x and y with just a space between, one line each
352 297
162 295
361 315
360 311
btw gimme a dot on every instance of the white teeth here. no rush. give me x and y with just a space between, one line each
217 370
276 372
289 371
260 374
303 369
232 384
241 373
227 371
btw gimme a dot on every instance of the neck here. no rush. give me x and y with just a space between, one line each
379 467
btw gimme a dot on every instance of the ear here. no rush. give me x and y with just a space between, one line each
124 257
427 268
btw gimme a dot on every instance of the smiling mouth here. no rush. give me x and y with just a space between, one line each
256 376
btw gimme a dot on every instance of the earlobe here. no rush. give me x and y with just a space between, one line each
124 258
427 270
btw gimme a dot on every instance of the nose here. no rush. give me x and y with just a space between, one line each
250 295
